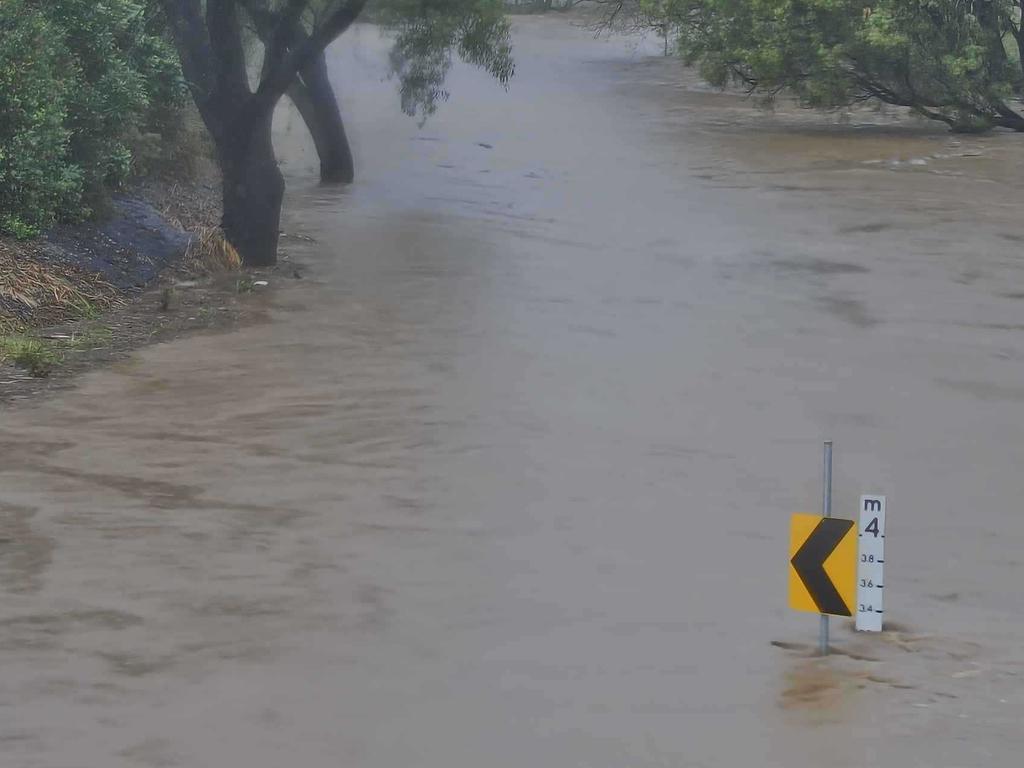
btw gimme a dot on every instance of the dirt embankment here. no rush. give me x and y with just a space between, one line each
86 294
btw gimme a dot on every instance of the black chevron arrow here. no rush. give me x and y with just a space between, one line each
809 562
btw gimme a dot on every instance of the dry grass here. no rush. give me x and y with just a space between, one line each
188 206
39 291
210 252
47 293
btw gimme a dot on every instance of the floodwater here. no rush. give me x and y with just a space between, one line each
505 481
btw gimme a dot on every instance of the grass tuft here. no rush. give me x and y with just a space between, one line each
34 355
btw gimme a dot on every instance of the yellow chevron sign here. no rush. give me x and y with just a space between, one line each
822 565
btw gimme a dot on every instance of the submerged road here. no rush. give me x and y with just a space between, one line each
506 481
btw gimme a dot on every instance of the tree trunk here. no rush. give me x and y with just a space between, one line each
991 23
1019 38
314 97
253 191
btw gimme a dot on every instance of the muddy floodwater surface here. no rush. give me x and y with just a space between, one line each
506 480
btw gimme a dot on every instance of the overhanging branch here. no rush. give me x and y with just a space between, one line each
282 70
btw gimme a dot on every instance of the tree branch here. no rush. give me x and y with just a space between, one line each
194 48
288 62
229 54
283 37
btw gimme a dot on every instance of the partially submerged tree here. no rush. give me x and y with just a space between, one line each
315 99
426 32
238 115
313 96
238 112
957 61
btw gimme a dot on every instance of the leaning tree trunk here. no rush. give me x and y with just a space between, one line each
253 191
314 97
1019 38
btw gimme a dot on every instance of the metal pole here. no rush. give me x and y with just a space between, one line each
826 511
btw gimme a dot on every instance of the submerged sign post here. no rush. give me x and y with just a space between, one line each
823 561
871 564
836 566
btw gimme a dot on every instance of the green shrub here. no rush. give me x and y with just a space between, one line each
121 71
36 179
77 79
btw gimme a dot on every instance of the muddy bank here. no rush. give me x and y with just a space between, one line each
180 303
150 229
86 294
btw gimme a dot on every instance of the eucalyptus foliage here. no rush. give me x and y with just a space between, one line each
958 61
946 59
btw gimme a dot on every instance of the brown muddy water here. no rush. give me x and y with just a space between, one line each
506 481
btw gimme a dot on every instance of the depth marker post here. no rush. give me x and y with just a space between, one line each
871 564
